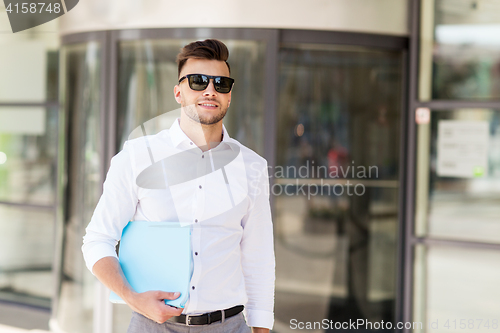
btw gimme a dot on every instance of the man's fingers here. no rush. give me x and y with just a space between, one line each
151 304
173 311
167 295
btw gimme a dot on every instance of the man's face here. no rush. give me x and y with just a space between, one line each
208 106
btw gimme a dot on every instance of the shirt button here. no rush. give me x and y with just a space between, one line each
200 186
191 143
192 287
196 221
202 156
196 253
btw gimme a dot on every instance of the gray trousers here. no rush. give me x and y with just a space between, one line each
141 324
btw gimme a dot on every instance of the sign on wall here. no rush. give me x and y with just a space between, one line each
462 148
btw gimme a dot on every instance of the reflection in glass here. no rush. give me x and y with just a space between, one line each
82 98
26 254
148 74
336 184
466 49
28 168
456 296
339 113
465 208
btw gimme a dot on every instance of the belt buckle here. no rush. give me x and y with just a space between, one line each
188 319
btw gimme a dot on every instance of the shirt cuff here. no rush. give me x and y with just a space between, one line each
95 252
259 318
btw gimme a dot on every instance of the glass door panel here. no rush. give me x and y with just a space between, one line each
336 183
81 97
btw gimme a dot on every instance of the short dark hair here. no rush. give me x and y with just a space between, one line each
211 49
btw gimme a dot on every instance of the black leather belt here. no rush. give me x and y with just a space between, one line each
207 318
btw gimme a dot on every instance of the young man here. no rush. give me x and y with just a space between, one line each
227 207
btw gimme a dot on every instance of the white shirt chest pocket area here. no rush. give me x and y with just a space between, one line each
226 188
156 205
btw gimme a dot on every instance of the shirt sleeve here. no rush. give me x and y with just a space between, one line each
115 209
257 253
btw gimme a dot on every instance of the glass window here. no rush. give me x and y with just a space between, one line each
454 299
463 181
460 50
28 150
148 74
26 254
336 183
28 157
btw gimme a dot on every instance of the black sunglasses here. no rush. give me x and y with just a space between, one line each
200 82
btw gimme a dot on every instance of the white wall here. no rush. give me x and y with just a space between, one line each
372 16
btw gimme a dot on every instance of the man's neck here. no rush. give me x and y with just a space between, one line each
204 136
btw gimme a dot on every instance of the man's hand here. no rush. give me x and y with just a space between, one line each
260 330
151 305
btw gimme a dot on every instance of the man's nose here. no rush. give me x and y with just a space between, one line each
210 90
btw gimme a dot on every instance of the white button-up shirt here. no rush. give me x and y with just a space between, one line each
226 202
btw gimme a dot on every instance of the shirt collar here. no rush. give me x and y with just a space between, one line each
178 136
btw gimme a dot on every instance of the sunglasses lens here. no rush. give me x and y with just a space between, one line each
198 82
223 84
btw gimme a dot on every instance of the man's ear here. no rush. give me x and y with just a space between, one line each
177 94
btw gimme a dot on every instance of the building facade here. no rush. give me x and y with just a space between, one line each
380 122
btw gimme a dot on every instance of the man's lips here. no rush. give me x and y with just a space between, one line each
209 105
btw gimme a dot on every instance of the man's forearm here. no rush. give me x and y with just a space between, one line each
150 304
109 272
260 330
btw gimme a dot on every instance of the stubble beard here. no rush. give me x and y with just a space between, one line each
192 113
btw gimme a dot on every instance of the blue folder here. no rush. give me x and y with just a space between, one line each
156 256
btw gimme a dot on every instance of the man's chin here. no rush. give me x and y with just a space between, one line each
208 119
